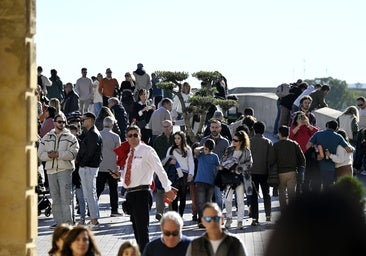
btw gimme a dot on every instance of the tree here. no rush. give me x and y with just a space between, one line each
200 102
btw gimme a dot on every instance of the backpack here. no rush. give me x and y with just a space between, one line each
283 90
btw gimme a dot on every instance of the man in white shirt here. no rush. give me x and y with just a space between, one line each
141 164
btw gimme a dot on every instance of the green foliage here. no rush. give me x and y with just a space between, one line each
174 77
200 102
353 188
207 76
339 96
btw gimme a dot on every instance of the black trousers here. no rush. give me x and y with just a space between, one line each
105 101
140 203
261 180
181 185
102 178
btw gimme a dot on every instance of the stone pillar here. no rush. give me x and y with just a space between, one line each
18 129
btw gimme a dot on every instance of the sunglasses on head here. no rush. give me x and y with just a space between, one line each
168 233
213 218
132 135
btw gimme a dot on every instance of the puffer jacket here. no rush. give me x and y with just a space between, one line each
67 146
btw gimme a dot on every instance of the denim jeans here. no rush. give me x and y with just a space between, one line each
81 200
218 197
275 126
97 107
88 176
60 185
204 193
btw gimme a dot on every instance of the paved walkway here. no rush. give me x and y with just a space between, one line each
115 230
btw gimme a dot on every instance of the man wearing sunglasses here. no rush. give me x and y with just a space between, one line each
141 164
215 241
89 158
172 241
58 148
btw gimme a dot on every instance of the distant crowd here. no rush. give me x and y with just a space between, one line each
99 131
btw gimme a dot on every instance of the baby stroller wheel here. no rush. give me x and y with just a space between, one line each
47 212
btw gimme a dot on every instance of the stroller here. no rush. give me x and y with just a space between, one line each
43 201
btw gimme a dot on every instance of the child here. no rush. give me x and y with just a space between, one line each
128 249
58 237
208 161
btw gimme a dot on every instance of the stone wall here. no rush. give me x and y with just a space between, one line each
18 130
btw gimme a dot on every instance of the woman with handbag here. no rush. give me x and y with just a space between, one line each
239 152
181 156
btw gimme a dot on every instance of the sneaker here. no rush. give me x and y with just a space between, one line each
363 173
240 225
93 227
116 214
53 226
228 222
268 218
81 222
158 216
255 223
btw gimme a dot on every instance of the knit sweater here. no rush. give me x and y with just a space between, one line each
107 86
288 155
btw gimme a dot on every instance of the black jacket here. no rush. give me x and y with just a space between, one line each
90 152
70 103
121 117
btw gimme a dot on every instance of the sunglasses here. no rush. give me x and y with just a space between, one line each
235 140
168 233
213 218
61 122
132 135
360 105
83 119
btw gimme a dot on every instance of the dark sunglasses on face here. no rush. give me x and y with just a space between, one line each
132 135
61 122
168 233
235 140
213 218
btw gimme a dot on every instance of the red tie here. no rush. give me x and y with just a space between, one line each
129 164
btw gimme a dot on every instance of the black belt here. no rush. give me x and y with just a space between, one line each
138 188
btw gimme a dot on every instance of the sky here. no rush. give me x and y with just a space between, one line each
252 43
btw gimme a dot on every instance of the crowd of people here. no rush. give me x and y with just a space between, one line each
97 132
